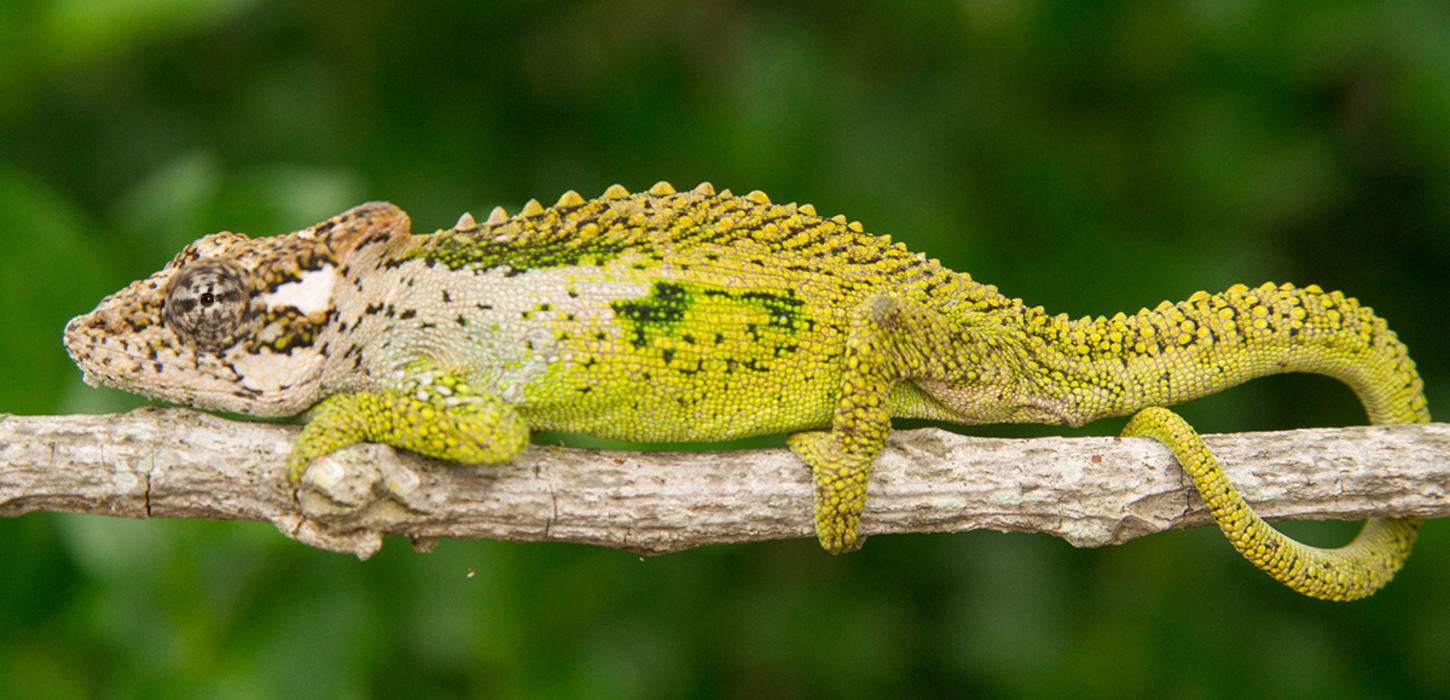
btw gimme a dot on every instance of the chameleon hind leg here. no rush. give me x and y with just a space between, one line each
882 347
1353 571
438 416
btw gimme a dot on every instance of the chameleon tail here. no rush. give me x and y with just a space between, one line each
1353 571
1289 329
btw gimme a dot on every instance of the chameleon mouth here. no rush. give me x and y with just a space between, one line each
108 359
87 352
150 362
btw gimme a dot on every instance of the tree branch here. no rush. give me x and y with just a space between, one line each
177 463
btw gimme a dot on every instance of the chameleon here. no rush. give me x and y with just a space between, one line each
697 315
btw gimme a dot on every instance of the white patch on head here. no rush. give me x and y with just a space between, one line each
311 292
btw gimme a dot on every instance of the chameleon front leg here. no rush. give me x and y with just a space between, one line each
1353 571
882 347
439 417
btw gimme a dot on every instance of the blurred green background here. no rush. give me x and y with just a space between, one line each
1091 157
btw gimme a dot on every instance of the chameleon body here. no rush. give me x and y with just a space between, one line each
700 315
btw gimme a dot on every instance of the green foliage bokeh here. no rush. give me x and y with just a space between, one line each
1090 157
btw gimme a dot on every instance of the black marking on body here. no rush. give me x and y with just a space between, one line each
664 307
783 307
679 309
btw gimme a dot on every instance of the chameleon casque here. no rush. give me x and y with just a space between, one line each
667 316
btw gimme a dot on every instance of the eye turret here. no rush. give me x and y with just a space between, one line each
206 304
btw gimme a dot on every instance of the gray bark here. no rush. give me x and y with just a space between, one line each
177 463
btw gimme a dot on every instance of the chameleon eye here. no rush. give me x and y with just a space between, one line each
205 305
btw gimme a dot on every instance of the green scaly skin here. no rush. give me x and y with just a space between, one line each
669 316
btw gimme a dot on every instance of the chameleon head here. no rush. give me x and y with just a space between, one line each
233 323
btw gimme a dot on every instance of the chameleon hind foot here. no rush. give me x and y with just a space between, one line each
1353 571
840 488
481 430
876 357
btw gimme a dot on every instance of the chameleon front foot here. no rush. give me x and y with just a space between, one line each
1353 571
840 489
479 430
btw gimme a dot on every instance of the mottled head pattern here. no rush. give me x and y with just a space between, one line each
233 323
